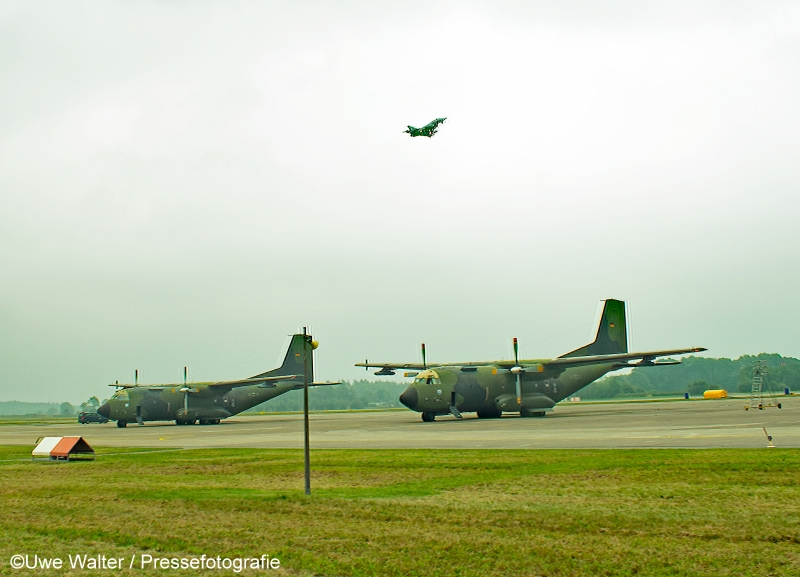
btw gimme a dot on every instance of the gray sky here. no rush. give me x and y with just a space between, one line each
186 183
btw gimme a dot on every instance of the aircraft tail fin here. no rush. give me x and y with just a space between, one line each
293 361
612 333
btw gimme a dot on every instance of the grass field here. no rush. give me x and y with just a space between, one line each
425 513
36 420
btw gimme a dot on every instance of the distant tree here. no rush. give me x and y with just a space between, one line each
697 388
610 388
745 381
90 405
355 395
781 372
67 409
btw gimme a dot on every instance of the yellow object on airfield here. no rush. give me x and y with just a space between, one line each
715 394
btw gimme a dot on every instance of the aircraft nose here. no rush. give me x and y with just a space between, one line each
409 397
104 409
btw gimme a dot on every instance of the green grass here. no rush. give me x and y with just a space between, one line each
36 420
422 512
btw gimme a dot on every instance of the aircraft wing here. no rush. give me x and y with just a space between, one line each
229 384
255 381
387 369
645 359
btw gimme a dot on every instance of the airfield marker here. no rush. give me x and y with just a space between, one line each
769 438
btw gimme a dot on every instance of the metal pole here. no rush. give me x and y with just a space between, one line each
305 411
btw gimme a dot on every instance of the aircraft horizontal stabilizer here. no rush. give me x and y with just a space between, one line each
319 384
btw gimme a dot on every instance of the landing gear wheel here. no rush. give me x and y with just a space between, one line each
490 414
779 405
122 424
528 413
428 417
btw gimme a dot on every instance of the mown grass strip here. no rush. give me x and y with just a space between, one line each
440 512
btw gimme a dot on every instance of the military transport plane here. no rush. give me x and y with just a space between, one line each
528 387
427 130
207 403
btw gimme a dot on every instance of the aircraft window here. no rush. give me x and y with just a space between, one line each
427 379
120 395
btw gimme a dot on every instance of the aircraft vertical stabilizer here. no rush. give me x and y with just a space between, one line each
293 361
612 333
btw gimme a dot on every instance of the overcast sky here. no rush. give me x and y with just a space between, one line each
186 183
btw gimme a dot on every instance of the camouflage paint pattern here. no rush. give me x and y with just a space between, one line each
208 403
489 388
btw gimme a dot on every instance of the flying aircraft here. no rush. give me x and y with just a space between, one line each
208 403
427 130
528 387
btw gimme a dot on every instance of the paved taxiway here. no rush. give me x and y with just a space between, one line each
719 423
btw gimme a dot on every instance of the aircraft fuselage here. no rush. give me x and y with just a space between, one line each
489 390
203 404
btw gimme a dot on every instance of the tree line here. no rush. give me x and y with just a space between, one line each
697 374
360 394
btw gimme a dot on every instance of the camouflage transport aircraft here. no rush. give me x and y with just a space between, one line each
207 403
427 130
528 387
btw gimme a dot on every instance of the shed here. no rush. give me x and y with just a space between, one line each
715 394
62 449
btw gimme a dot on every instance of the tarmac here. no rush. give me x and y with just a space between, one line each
668 424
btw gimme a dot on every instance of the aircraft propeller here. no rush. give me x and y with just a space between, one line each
517 370
186 390
424 363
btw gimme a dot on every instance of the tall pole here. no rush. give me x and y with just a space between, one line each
305 411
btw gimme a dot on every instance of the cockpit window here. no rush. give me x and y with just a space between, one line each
122 395
428 378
